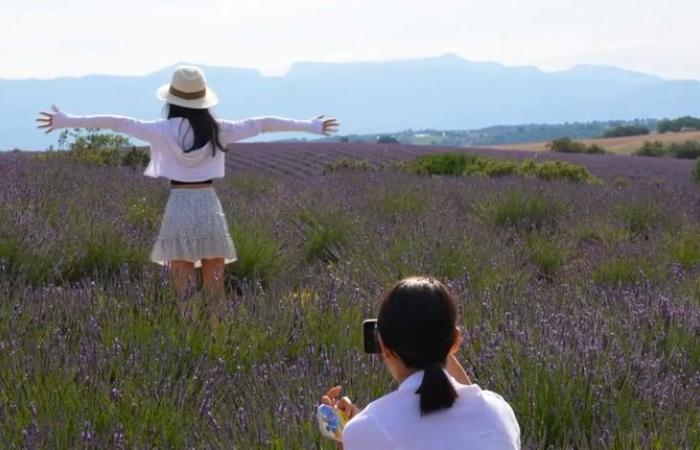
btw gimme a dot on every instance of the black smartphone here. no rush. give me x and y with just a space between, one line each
370 336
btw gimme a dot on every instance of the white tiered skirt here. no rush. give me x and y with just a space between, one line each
194 227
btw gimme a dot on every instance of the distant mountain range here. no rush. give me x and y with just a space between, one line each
445 92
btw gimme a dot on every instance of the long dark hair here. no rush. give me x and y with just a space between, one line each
417 322
203 125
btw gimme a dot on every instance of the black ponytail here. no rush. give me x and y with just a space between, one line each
436 392
417 322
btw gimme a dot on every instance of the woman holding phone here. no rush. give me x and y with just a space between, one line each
435 406
188 148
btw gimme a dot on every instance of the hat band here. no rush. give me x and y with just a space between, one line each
188 95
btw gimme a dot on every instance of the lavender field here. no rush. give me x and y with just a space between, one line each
580 303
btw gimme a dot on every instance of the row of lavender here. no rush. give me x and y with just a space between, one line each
307 159
580 305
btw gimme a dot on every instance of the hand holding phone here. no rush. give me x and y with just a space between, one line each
334 412
331 422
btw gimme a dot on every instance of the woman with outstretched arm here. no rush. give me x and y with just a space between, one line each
189 148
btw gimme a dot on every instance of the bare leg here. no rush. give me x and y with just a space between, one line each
185 282
213 282
213 276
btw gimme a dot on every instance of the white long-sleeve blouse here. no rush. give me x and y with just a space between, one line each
167 157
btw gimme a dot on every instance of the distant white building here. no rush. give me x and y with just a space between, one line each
685 129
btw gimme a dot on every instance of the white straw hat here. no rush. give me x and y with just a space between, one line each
188 88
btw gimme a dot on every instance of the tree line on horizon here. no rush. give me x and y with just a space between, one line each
511 134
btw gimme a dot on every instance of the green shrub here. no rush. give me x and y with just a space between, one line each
135 158
685 250
568 145
455 164
258 253
92 147
621 183
546 254
457 256
402 201
525 211
452 261
685 150
102 257
97 157
621 271
695 175
605 234
400 259
10 252
325 235
655 148
640 217
657 181
557 170
595 149
143 213
491 167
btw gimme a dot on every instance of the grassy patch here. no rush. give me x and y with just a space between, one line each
522 210
607 235
685 249
401 202
326 233
546 253
640 217
259 256
622 271
10 252
144 213
103 258
621 183
251 184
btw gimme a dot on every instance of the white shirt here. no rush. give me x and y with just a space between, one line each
167 156
478 420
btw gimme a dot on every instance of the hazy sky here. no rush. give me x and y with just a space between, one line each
49 38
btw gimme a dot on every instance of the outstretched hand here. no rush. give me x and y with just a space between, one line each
330 125
45 119
344 404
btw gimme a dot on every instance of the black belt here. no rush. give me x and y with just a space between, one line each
180 183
